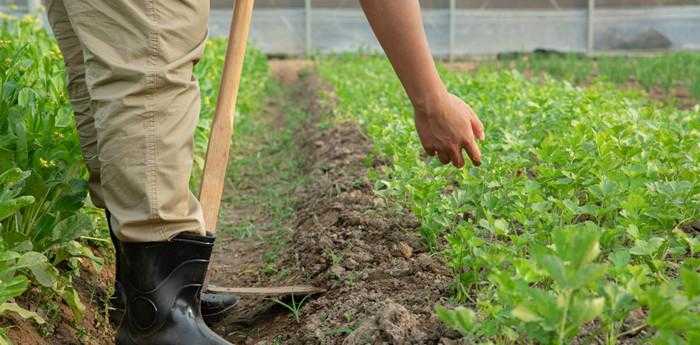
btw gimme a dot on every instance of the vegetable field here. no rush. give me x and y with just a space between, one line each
578 219
582 226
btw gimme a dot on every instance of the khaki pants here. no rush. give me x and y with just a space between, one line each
129 66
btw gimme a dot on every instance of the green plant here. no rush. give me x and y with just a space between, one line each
13 283
460 319
674 308
42 216
555 316
664 71
293 306
566 171
255 82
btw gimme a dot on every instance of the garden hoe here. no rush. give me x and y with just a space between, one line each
216 160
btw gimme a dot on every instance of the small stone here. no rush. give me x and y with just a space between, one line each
447 341
406 250
337 270
426 262
400 269
379 202
351 264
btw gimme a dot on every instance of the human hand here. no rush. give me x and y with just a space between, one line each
445 126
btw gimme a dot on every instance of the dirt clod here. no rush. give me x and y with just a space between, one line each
392 324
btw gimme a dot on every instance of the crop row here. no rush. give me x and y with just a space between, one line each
576 224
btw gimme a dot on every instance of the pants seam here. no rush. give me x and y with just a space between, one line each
150 121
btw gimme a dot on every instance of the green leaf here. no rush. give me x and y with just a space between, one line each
619 302
500 227
44 273
620 259
691 282
12 176
460 319
24 313
555 268
8 255
633 231
26 97
22 143
586 275
10 207
73 199
13 288
525 314
66 230
642 247
4 340
588 309
70 295
578 244
64 117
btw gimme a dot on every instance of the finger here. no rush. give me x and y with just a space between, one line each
472 150
456 157
431 151
477 127
444 157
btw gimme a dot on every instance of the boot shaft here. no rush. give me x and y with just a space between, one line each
162 282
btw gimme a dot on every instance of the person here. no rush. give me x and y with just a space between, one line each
129 66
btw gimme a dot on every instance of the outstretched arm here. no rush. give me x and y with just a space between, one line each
445 124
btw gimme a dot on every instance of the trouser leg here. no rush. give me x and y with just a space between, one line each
72 52
139 56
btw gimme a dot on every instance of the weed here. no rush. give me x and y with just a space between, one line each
293 306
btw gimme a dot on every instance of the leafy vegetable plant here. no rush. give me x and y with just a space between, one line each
574 227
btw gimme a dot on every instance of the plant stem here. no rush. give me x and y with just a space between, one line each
562 324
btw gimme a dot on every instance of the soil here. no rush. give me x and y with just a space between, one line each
381 282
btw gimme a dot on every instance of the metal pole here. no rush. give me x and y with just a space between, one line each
591 23
33 5
307 30
452 30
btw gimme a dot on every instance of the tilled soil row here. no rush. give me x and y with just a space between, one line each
382 283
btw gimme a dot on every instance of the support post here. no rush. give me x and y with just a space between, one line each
33 5
452 30
590 37
307 29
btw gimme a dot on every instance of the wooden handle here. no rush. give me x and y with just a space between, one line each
216 160
269 291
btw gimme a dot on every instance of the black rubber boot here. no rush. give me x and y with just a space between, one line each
162 282
215 306
116 301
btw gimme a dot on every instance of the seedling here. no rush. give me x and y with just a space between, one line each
294 307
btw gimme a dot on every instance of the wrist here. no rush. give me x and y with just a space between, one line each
428 103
